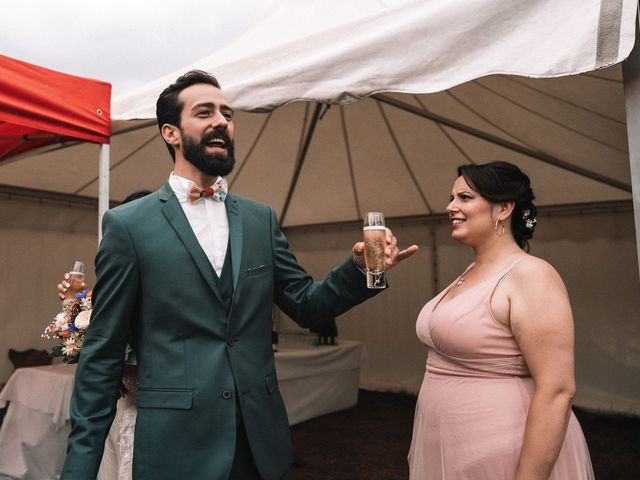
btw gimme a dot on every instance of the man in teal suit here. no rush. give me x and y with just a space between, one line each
193 279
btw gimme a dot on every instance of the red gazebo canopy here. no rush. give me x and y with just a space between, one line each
39 106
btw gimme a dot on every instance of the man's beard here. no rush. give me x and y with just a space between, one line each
214 164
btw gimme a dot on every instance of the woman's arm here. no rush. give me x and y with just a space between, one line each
542 323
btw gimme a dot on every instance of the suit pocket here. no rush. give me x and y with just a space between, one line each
176 399
267 267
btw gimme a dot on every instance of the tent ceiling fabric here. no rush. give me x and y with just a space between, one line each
567 131
405 46
373 156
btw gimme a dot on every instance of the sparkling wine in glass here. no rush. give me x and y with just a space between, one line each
76 279
375 243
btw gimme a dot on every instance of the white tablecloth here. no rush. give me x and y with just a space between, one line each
33 437
313 381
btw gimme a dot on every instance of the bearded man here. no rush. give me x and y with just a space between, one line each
192 273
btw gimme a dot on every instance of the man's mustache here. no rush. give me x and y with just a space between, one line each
219 133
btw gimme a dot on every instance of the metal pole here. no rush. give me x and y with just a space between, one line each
103 186
434 261
631 74
300 162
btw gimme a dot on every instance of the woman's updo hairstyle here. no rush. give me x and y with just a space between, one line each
500 182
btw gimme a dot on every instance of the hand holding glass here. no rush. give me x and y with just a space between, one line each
375 243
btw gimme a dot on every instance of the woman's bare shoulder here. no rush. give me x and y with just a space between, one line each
534 270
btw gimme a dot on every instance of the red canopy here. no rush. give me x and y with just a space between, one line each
39 106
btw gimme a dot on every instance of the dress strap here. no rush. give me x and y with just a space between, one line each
504 273
512 265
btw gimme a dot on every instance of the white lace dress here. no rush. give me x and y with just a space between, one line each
117 460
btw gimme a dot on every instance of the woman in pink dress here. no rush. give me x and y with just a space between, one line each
495 403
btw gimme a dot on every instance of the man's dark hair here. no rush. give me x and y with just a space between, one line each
169 107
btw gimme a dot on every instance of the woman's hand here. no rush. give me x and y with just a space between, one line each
64 285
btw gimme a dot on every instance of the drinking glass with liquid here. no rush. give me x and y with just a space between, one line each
75 280
375 243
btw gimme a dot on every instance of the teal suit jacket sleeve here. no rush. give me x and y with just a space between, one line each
305 301
100 367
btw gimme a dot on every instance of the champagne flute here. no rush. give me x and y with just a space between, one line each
375 243
76 279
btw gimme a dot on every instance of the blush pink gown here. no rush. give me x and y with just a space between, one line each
472 408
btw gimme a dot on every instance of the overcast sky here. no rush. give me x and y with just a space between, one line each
124 42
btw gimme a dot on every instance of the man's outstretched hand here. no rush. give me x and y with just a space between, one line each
393 255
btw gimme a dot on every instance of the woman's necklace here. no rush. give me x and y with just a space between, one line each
461 279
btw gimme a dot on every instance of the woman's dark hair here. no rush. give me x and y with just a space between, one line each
504 182
136 195
169 108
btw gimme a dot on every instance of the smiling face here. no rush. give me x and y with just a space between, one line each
206 130
472 217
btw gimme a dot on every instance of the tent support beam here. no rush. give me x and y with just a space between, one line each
503 143
300 161
73 143
103 186
587 208
631 76
616 206
36 195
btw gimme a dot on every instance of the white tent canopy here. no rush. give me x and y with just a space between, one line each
333 51
440 83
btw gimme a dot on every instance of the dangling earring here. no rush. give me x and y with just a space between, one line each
495 227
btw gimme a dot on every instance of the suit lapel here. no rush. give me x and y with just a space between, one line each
235 236
175 215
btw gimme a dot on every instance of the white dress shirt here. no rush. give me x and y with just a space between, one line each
208 220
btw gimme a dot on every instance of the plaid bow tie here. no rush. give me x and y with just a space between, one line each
217 191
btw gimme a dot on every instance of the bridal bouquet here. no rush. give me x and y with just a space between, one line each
70 326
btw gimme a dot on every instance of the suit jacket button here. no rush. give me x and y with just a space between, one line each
231 341
226 394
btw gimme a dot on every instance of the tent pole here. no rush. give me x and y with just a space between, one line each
103 186
434 261
300 162
631 75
